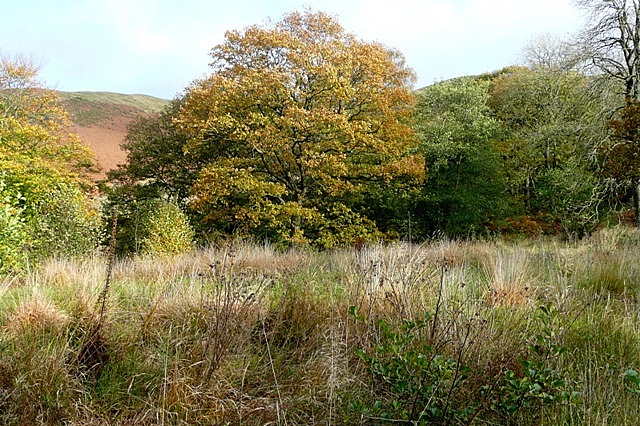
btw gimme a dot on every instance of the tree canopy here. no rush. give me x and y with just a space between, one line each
305 133
464 186
297 119
44 171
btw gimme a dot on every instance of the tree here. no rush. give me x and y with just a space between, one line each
550 52
44 207
155 180
298 117
621 159
464 187
551 121
157 163
612 41
33 121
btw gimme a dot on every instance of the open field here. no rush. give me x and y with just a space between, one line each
532 332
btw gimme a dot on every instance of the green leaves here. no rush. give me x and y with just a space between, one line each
632 378
12 229
551 119
167 230
538 383
464 187
416 385
44 209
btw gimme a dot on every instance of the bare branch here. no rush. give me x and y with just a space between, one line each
613 40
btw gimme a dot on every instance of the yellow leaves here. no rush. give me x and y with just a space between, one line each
297 113
411 167
44 166
224 184
33 121
17 73
341 226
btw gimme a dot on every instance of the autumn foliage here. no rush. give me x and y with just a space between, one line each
297 119
44 170
621 158
305 134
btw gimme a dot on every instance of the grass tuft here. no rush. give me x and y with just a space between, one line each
36 315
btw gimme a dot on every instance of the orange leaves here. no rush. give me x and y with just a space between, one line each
33 122
298 112
621 160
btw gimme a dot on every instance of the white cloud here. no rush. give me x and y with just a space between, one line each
151 42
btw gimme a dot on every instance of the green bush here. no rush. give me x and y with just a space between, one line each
147 222
67 223
12 230
415 383
166 229
42 214
340 226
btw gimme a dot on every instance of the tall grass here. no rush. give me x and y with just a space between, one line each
245 334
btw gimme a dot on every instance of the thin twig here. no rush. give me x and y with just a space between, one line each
273 371
111 259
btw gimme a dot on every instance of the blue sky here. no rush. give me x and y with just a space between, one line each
157 47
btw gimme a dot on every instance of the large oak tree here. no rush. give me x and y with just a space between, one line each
299 121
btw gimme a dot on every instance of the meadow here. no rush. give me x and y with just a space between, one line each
518 332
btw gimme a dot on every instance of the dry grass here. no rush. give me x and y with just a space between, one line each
509 280
245 334
35 315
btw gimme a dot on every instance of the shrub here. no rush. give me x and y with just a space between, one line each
67 224
44 213
415 381
12 230
166 229
417 384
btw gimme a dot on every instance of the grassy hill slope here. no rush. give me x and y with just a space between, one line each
101 120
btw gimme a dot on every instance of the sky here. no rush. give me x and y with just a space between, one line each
157 47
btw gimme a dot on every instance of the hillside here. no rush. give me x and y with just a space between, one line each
101 120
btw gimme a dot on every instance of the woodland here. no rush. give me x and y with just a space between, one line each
304 135
302 237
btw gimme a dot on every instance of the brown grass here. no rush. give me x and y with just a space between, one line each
36 315
246 334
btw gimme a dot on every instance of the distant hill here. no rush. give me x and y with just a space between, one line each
101 120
